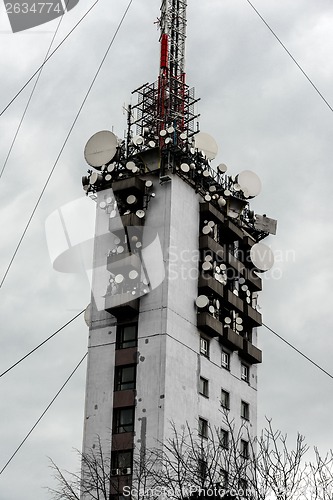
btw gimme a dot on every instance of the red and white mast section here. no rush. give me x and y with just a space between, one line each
171 83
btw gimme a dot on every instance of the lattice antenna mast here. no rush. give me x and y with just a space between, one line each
171 85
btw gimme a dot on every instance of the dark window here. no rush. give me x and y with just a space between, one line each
203 387
225 361
204 347
245 410
121 462
123 420
224 478
243 486
245 373
127 336
244 448
203 427
202 468
224 438
225 399
125 377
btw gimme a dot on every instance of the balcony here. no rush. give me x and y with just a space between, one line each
253 316
235 301
122 305
250 353
231 339
235 263
207 210
132 184
209 285
252 277
123 263
206 242
209 325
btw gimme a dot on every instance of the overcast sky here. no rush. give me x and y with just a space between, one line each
264 115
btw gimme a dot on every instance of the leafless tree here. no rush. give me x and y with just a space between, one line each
232 464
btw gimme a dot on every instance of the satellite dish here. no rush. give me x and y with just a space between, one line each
249 183
137 140
222 168
119 278
151 144
149 184
182 136
101 148
108 177
202 301
131 199
208 197
163 133
95 178
262 257
167 140
171 130
184 167
130 165
211 309
87 315
239 321
133 274
140 213
221 201
206 230
227 320
102 205
211 223
206 266
208 258
207 144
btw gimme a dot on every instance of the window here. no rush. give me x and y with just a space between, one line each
245 373
225 399
123 420
204 347
224 438
224 478
225 360
243 487
121 462
245 410
127 336
202 468
203 427
244 448
125 377
203 387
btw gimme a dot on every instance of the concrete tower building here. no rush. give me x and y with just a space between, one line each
173 319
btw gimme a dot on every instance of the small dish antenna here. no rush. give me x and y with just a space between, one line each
207 144
262 257
100 149
202 301
249 183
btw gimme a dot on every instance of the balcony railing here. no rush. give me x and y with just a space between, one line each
121 305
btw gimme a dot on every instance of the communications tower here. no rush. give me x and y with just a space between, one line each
178 251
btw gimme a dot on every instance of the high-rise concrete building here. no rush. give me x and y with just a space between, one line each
173 319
